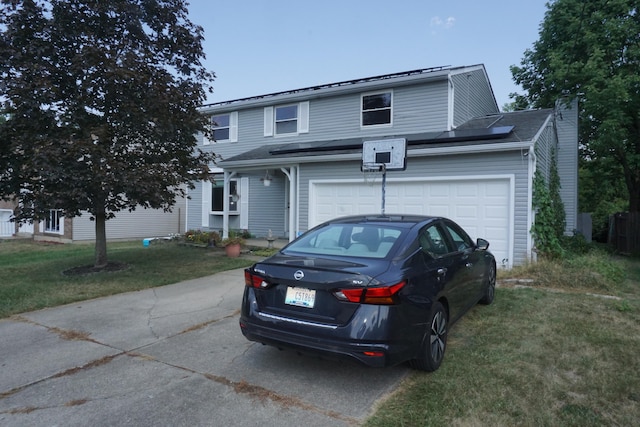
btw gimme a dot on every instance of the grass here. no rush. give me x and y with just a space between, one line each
31 273
553 353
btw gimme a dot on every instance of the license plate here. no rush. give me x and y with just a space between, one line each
300 297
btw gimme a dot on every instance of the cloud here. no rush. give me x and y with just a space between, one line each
437 22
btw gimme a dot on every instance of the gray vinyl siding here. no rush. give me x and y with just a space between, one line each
506 163
138 224
194 212
268 205
567 124
544 150
416 108
472 96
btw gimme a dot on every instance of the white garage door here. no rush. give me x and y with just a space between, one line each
481 206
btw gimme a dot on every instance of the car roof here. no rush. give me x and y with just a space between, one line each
395 219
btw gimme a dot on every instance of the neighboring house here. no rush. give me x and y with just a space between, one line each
7 228
138 224
292 160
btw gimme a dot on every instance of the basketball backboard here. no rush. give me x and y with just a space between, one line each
390 153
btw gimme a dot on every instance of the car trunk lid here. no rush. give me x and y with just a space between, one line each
304 289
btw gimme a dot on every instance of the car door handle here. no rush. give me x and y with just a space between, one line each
442 271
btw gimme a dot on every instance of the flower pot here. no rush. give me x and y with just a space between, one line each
232 250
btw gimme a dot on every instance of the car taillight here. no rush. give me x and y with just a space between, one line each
377 295
253 281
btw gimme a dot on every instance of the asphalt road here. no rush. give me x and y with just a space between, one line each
171 356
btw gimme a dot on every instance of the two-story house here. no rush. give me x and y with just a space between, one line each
293 159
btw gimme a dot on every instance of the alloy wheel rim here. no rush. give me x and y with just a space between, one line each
438 332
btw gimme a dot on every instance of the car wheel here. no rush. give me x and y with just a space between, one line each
489 285
435 342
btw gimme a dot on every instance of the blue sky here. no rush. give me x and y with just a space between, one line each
257 47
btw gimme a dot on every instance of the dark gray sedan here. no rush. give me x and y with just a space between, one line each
379 289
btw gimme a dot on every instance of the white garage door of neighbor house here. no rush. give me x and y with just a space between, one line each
483 207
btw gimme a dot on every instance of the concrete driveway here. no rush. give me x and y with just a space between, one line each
171 356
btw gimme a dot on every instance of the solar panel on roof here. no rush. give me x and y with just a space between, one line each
475 134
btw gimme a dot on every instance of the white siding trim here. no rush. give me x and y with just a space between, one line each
268 121
303 117
233 126
244 203
206 202
450 99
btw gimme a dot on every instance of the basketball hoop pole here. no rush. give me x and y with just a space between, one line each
384 183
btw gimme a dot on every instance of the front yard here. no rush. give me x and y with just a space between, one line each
559 348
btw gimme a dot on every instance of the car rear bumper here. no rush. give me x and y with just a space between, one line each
376 335
371 354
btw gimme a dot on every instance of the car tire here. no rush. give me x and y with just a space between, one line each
489 285
434 343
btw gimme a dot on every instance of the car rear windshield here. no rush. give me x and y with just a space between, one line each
351 240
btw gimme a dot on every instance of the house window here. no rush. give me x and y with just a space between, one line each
53 222
221 127
217 196
376 109
286 119
224 128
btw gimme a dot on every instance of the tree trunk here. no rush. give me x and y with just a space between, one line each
101 241
633 187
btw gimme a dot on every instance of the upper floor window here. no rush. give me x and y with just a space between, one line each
376 109
220 125
289 119
286 119
224 127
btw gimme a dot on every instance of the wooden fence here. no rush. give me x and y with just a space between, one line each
624 232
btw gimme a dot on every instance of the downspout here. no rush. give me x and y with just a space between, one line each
531 215
225 203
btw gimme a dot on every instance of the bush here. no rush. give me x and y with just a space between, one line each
210 238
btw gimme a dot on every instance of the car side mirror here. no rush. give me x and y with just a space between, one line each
482 244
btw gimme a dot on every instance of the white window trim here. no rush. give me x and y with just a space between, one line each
233 129
238 203
303 117
43 228
302 120
275 121
268 121
382 125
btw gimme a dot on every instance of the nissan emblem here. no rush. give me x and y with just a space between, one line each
298 275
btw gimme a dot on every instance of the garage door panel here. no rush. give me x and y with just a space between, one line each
466 211
481 207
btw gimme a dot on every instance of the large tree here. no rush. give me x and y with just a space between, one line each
102 103
590 50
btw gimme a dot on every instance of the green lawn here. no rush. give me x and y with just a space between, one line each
561 351
553 354
31 274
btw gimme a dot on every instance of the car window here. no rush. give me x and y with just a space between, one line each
461 240
433 242
359 240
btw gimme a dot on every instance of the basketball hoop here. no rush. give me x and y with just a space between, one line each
370 172
382 156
